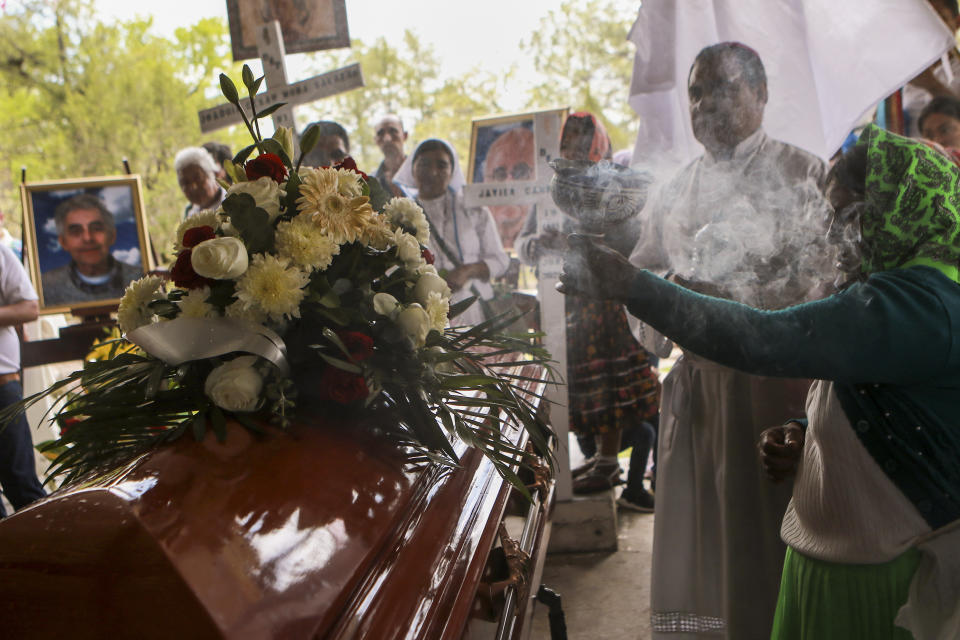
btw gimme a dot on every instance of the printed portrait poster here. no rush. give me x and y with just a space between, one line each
504 150
307 25
86 240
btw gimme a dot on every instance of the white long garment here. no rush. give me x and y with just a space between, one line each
717 553
827 63
471 235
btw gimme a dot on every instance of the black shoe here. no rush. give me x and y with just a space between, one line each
640 501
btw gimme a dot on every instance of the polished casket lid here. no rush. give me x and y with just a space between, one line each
322 531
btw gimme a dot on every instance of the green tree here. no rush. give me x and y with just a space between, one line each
581 51
79 96
406 80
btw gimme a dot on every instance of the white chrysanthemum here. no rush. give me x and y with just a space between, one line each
349 183
202 219
305 244
406 213
438 308
273 285
408 250
195 305
245 313
133 311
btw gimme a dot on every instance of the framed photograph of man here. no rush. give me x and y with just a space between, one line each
85 240
508 154
307 25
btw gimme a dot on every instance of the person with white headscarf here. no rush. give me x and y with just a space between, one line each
464 240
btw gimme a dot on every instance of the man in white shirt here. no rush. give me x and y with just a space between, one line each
18 304
717 225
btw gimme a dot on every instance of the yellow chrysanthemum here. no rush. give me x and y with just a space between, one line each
195 305
305 244
273 285
315 186
202 219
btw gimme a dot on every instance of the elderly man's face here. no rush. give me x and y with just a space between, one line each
197 185
87 238
390 137
724 108
510 157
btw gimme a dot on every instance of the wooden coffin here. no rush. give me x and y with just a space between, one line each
323 531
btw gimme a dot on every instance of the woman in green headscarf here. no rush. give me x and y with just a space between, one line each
876 498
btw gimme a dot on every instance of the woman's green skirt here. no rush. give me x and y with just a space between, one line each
822 600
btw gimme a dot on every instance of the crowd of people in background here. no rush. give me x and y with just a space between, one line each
832 352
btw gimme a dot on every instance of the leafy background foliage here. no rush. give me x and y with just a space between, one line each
78 95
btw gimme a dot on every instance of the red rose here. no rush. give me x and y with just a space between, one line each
427 256
193 237
350 164
266 164
359 345
342 386
183 274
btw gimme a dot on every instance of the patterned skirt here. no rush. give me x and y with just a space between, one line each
611 382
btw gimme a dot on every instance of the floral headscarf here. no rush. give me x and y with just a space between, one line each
913 205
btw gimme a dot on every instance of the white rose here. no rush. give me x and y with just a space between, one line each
386 305
265 191
427 284
220 258
415 322
235 385
408 249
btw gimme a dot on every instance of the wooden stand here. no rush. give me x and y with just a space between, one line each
74 341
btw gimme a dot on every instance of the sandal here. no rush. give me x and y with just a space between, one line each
598 478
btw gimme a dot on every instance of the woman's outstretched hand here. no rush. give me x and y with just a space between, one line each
594 270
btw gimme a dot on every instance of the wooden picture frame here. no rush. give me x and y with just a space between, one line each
308 25
509 155
79 261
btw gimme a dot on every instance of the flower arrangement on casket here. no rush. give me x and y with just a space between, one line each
307 292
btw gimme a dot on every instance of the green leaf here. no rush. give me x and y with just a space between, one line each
459 307
269 110
378 195
251 221
273 146
256 85
199 425
309 140
243 154
229 89
219 423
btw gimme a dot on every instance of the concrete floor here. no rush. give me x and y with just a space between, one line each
605 595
